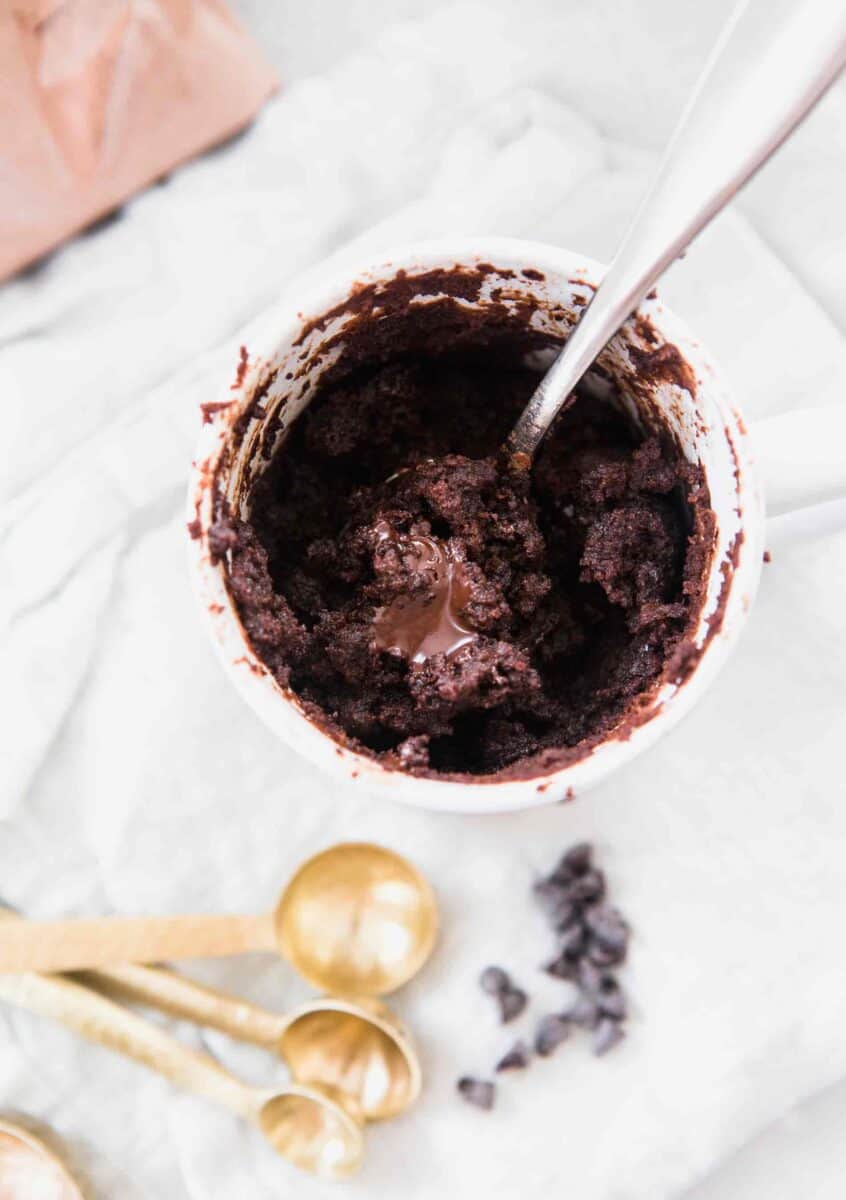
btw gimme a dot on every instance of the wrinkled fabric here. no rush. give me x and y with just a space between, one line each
133 779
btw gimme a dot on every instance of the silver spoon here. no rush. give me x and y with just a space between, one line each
772 63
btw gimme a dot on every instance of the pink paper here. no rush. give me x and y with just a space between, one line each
100 97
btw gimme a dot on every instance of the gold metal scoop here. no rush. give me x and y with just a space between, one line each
358 1047
355 920
28 1167
314 1126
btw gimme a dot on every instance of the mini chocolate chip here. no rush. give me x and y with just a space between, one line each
583 1013
608 928
494 980
512 1001
551 1032
607 1035
589 976
552 897
586 888
562 967
611 999
578 858
516 1058
601 957
574 945
480 1092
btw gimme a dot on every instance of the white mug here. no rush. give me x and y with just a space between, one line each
707 425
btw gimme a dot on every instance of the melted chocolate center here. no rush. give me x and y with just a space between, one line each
426 621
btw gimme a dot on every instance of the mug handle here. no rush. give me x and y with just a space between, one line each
802 457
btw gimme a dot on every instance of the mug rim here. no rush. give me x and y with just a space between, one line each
281 710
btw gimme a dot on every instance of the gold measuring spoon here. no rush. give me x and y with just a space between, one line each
315 1127
358 1047
30 1169
356 919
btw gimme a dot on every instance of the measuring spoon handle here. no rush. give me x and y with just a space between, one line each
107 941
183 998
99 1020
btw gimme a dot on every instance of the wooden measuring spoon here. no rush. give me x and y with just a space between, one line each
356 919
315 1127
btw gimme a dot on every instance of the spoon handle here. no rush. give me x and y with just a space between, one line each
105 941
180 997
772 63
99 1020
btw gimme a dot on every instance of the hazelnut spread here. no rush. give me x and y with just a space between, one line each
435 610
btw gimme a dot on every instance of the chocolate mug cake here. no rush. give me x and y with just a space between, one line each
430 606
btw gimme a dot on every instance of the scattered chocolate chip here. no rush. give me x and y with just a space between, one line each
611 1000
608 1034
578 858
516 1059
512 1001
607 928
602 958
768 558
588 887
562 967
551 1032
594 938
480 1092
584 1013
589 977
574 945
494 980
559 909
566 916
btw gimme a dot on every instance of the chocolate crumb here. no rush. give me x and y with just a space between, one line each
241 371
479 1092
768 558
516 1059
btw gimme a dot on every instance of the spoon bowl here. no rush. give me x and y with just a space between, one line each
316 1128
357 920
359 1049
28 1167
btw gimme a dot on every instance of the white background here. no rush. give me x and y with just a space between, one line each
134 780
